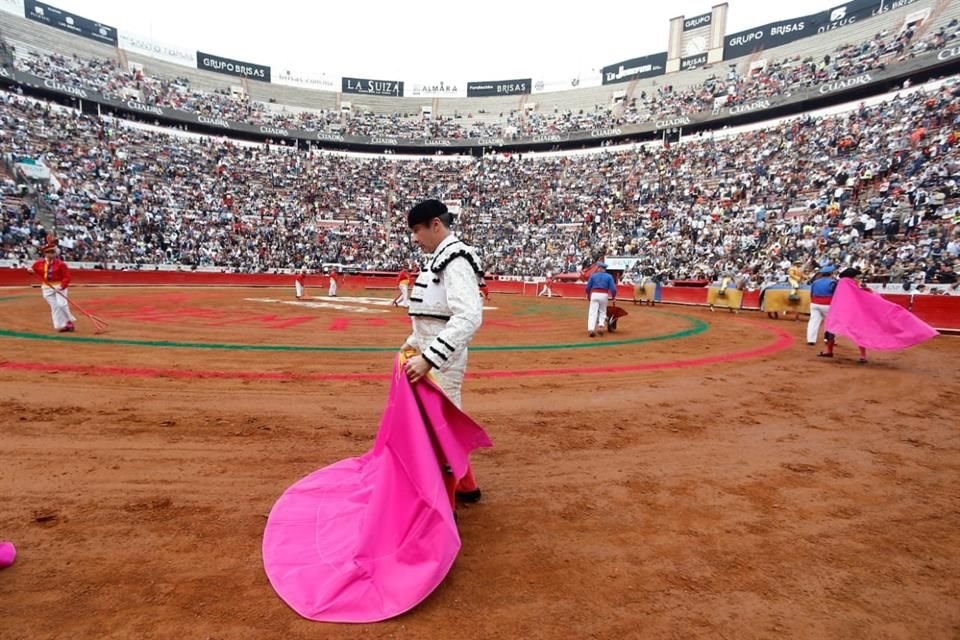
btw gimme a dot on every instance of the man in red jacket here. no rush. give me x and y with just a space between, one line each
55 275
403 282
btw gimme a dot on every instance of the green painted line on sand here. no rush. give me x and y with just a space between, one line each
696 326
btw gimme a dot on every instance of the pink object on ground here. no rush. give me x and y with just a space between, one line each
368 538
8 553
872 322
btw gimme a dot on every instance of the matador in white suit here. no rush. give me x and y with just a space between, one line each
446 309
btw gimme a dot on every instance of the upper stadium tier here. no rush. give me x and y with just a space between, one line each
793 65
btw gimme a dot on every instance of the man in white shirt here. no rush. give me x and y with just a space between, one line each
953 247
446 310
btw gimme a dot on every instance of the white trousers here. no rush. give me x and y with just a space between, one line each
546 291
450 379
59 307
404 299
818 313
299 288
598 310
333 288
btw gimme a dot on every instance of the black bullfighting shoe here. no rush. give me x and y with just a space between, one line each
469 497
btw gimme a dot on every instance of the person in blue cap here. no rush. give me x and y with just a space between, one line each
821 294
601 289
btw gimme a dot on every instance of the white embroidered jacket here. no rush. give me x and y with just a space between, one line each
445 304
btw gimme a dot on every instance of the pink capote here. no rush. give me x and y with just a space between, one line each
368 538
872 322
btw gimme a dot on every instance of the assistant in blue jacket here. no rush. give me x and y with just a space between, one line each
821 294
602 281
600 289
821 291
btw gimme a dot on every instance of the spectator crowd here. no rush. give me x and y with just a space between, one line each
875 188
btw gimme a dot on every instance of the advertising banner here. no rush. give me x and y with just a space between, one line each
645 67
436 89
488 88
146 47
69 22
372 87
321 82
231 67
697 22
693 62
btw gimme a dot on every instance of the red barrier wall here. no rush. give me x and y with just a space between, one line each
905 300
942 312
186 278
751 299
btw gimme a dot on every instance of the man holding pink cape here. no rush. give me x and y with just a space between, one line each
368 538
446 310
870 321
